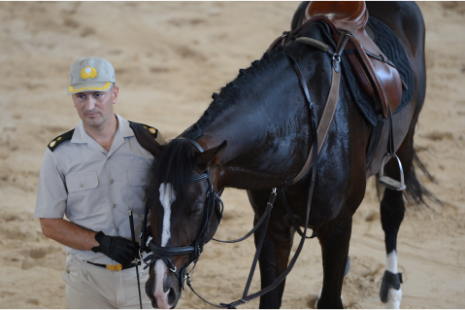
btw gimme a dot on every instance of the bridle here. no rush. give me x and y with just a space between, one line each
213 203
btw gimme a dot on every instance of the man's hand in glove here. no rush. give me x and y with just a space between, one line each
117 248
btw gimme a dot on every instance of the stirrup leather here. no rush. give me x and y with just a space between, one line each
390 182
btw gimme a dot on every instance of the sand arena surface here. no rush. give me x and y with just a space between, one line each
169 58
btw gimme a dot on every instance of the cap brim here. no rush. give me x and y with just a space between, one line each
88 87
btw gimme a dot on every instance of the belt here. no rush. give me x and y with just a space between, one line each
115 267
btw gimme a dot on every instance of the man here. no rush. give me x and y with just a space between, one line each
95 174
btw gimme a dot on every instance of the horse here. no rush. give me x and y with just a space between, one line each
256 135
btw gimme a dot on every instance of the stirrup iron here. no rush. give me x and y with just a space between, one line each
390 182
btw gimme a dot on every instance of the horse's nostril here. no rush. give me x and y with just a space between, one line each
171 296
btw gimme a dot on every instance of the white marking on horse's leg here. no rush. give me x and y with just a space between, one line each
160 295
394 296
167 196
394 299
391 262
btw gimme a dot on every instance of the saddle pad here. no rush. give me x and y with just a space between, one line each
388 43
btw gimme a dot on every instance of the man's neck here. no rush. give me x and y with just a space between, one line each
105 133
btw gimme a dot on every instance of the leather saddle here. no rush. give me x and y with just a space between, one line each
376 74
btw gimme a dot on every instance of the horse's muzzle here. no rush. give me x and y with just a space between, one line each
163 287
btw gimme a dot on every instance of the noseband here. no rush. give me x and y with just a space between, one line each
213 202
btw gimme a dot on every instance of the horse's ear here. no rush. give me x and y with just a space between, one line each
147 139
211 156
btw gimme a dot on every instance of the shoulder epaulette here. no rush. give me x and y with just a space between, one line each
61 138
152 130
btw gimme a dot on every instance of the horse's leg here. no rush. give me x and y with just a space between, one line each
392 214
276 248
335 249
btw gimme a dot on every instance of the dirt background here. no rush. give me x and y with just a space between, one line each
169 58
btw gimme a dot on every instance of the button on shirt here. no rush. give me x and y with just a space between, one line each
93 187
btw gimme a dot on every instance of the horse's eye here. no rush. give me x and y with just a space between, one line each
197 209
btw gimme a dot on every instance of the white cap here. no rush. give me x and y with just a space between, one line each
90 74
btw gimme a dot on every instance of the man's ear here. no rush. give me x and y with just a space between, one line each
146 139
211 156
115 94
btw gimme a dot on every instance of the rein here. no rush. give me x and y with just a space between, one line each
213 201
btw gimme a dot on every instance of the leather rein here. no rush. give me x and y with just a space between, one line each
214 202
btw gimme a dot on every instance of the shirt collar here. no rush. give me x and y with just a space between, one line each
80 135
124 127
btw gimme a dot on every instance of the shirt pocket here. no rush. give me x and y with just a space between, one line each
137 182
83 193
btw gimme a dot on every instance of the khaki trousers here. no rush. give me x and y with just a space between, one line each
94 287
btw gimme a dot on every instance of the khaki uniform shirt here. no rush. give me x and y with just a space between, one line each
93 187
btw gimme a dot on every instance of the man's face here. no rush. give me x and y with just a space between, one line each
95 107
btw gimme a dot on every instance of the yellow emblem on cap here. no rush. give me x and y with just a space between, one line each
152 130
88 72
52 144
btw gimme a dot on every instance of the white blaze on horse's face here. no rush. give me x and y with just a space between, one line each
167 197
160 295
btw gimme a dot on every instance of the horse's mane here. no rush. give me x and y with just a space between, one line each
244 83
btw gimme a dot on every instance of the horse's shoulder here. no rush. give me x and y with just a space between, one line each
52 145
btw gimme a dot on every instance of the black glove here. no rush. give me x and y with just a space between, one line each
117 248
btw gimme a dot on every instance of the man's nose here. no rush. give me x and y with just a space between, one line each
90 104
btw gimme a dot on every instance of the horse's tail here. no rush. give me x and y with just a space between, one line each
415 193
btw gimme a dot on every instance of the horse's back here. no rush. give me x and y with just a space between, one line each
404 19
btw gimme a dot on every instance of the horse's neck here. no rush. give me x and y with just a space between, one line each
266 147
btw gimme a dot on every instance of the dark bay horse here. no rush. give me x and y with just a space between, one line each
256 135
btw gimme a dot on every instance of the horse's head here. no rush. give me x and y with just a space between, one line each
185 213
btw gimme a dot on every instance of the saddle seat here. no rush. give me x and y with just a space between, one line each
375 73
348 15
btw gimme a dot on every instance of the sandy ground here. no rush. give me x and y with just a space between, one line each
169 58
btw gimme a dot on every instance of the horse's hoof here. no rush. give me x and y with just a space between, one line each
390 292
315 306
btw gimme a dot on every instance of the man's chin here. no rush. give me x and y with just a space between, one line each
93 120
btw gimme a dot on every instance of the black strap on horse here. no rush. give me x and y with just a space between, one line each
291 215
